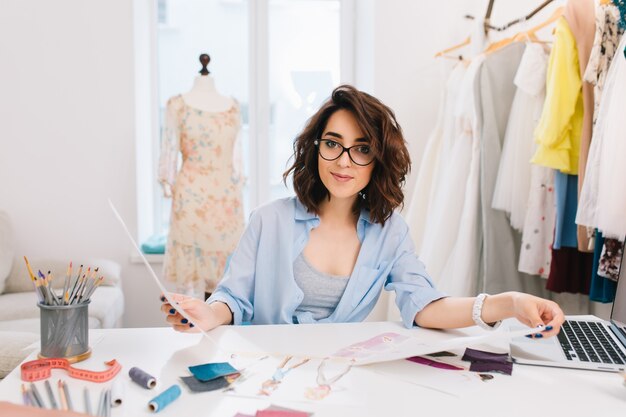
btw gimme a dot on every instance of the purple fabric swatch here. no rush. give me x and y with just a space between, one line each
434 364
474 355
504 368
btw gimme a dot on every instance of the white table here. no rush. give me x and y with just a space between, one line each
398 388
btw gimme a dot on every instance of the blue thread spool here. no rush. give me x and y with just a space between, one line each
164 399
142 378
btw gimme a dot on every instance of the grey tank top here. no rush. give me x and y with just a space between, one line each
322 292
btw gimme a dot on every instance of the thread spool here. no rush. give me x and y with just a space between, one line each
117 392
142 378
164 399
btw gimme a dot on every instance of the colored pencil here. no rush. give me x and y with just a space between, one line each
62 398
87 401
53 401
67 396
36 395
25 396
68 274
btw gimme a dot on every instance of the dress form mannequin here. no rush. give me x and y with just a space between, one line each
203 94
206 189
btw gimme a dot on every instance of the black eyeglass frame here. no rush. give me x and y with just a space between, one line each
317 143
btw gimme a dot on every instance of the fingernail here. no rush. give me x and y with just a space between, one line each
172 310
190 324
184 321
538 335
548 327
163 299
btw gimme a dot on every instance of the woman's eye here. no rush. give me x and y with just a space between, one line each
331 144
363 149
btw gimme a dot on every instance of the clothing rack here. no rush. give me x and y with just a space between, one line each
489 26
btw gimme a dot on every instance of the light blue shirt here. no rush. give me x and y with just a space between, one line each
259 287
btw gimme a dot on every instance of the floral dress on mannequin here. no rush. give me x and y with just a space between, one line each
207 214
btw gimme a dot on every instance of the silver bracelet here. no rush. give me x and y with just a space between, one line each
477 311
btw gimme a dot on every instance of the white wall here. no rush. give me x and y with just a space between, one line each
67 118
67 139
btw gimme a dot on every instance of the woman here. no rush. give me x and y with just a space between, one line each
325 255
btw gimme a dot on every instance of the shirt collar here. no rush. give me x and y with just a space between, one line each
304 215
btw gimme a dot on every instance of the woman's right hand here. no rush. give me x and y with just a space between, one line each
202 314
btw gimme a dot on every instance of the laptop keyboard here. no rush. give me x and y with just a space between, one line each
588 341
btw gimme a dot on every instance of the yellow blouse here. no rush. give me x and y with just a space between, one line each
559 129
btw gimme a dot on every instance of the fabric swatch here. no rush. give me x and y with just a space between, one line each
209 371
503 368
279 408
280 413
204 386
443 353
483 361
429 362
475 355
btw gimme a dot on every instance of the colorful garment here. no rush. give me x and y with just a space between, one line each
559 130
207 214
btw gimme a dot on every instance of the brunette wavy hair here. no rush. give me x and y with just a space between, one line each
391 156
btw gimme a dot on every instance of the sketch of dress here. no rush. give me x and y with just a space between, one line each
207 214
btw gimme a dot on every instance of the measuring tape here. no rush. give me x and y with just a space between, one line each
41 369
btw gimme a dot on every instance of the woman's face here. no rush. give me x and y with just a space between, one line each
342 177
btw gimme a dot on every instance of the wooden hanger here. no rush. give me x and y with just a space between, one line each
446 51
531 33
526 35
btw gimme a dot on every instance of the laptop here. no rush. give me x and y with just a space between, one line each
584 342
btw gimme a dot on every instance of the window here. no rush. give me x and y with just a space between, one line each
280 59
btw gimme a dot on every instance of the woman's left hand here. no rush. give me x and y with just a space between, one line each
534 311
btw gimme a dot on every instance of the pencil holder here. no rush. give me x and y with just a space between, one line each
65 331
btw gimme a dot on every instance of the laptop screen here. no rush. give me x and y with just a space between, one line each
618 313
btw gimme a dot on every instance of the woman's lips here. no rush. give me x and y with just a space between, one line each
341 178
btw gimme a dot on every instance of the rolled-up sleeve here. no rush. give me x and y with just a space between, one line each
237 286
408 278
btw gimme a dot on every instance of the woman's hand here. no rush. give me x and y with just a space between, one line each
206 316
534 311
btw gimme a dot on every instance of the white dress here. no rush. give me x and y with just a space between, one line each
460 272
611 209
430 166
444 217
513 181
602 202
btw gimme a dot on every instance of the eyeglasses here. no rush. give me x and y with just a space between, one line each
330 150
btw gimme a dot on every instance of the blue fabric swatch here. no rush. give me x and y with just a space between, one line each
210 371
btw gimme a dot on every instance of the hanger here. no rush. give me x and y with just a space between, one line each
204 60
446 51
531 33
526 35
488 25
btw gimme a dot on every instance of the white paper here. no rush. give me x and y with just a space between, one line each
404 346
165 293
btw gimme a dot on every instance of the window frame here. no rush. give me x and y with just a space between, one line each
147 106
